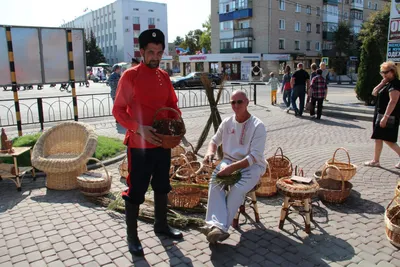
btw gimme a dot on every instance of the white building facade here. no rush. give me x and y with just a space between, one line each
118 25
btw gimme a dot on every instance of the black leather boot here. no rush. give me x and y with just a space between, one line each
132 213
160 217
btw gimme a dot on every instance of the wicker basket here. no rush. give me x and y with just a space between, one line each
392 222
123 167
203 179
281 166
397 193
169 141
267 187
177 151
347 170
93 183
333 191
297 191
184 197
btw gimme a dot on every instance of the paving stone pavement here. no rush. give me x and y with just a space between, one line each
40 227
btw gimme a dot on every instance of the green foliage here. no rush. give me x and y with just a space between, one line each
339 65
205 38
373 53
197 39
106 148
342 38
178 41
95 54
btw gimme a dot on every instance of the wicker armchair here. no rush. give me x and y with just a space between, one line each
62 153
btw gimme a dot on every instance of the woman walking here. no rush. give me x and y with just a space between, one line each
286 88
387 113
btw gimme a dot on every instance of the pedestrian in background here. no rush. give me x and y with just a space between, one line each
274 82
312 75
317 94
300 82
113 81
286 87
325 75
387 113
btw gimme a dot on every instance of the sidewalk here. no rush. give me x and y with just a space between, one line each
40 227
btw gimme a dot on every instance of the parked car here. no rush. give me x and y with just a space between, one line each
193 80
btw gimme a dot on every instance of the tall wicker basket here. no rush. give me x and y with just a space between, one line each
392 222
347 170
280 165
267 187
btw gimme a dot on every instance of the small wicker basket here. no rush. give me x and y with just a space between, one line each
174 136
267 185
123 167
392 222
281 166
333 191
347 170
94 183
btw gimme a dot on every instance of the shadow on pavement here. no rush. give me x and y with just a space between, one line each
324 121
272 248
356 205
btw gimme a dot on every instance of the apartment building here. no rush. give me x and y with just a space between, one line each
118 25
282 32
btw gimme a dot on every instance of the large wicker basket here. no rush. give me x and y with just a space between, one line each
347 170
297 191
184 197
168 140
123 167
94 183
392 222
331 190
267 187
281 166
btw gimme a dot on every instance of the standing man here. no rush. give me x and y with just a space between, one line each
113 80
325 75
300 82
318 92
143 90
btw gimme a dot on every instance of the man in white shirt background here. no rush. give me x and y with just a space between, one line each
243 138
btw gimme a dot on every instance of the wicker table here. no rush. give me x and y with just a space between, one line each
19 173
297 194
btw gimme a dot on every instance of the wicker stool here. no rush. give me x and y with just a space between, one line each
297 194
251 200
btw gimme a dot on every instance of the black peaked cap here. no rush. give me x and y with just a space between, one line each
151 36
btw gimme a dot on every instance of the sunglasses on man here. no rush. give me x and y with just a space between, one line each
233 102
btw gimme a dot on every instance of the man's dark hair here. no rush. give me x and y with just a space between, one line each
135 61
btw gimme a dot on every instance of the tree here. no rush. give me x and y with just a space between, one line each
342 38
205 38
192 41
94 55
373 35
178 41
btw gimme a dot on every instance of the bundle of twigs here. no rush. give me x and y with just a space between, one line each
215 117
229 180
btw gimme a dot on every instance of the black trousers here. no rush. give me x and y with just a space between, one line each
148 166
319 102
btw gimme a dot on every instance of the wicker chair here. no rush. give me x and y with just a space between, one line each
62 153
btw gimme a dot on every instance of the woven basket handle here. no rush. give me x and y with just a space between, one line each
345 150
170 109
333 167
104 167
125 159
390 203
188 163
276 152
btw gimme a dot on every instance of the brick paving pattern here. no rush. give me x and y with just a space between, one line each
40 227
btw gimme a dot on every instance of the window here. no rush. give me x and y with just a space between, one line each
115 36
226 25
308 10
136 47
226 44
281 43
308 27
115 50
318 11
297 26
281 4
355 14
152 21
308 45
376 6
327 46
101 26
136 20
126 17
106 49
110 37
242 4
109 24
115 23
297 45
136 9
318 28
151 10
369 5
346 15
106 38
298 8
281 24
317 46
136 34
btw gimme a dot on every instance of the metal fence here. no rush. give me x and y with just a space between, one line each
53 109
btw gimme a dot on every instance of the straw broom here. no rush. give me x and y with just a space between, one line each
215 117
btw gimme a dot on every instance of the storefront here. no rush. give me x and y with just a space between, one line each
166 63
235 66
275 63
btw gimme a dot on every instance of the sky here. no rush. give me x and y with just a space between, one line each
183 15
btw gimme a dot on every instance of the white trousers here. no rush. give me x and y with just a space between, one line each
222 206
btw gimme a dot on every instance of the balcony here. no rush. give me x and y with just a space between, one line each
239 33
331 2
237 50
328 36
238 14
357 4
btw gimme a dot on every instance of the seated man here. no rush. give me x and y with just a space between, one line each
243 139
